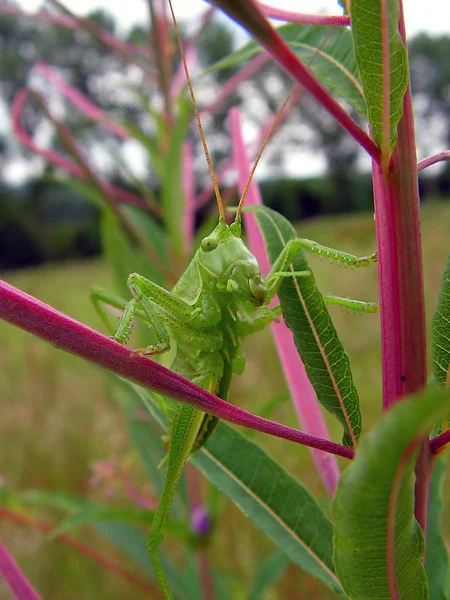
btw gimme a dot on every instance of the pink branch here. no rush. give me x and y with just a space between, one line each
65 333
230 86
438 443
302 393
70 23
432 160
14 578
228 164
57 159
250 16
179 79
76 98
303 19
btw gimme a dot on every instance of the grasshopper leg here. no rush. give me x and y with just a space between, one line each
280 267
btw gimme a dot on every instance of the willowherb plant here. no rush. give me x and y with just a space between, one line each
383 537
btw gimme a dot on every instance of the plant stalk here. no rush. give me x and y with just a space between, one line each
397 215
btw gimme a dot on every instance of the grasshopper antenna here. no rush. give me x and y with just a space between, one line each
197 116
269 135
267 139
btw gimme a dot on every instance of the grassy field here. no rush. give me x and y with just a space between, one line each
58 416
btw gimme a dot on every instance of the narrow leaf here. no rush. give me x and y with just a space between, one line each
274 501
327 51
436 558
366 16
81 511
378 545
305 313
302 392
123 256
150 446
132 542
171 184
440 337
269 571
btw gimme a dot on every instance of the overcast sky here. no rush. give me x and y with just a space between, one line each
432 16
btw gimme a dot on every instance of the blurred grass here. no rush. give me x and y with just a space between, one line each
58 417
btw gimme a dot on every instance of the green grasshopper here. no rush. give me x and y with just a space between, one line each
221 298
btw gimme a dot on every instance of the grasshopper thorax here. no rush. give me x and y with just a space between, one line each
229 265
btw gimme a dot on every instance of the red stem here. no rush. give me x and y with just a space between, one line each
42 320
397 212
400 260
438 443
304 19
250 16
432 160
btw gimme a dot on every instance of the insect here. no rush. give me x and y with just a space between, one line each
221 298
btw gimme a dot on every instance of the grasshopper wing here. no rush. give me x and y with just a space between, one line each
189 286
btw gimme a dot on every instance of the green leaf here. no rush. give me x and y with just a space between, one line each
150 447
378 484
269 571
436 557
305 313
133 542
87 190
273 500
152 237
172 197
82 511
123 256
328 52
440 336
367 35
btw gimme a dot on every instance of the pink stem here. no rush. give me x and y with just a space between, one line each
228 164
42 320
14 578
397 213
251 17
242 75
70 23
439 442
179 79
57 159
302 393
432 160
303 19
80 101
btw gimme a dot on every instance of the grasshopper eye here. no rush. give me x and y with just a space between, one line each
209 244
258 288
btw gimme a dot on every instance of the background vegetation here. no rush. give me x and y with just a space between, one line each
47 401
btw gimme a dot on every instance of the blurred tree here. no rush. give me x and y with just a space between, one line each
430 81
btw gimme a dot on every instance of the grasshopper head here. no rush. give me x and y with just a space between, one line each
230 266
